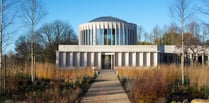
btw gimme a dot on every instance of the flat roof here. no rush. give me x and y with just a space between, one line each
108 48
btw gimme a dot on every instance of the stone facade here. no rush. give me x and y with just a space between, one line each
109 42
83 55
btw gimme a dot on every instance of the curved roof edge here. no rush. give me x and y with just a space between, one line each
107 19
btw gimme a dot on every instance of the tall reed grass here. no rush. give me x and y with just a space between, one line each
52 84
151 84
45 71
48 71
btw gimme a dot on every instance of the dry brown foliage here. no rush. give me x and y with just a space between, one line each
150 84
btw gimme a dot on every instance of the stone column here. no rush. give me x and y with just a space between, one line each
119 35
126 59
208 59
191 59
114 61
64 59
71 59
203 61
155 59
148 59
94 35
85 58
134 59
87 37
92 58
111 66
78 59
196 57
141 60
119 59
57 58
99 60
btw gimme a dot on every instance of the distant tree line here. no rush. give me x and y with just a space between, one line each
195 34
46 41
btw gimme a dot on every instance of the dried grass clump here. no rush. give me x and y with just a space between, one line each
52 84
14 74
48 71
198 75
150 84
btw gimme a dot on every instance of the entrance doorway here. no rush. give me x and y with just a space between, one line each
107 61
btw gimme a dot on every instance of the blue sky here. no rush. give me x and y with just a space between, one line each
146 13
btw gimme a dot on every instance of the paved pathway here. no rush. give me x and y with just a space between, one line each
106 89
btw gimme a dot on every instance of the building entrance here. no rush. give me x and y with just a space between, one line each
107 61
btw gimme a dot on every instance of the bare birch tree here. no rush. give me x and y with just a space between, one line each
181 12
33 13
7 17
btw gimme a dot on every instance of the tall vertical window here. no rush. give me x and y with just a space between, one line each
131 37
87 37
97 37
117 37
126 36
121 37
101 36
109 37
113 37
105 37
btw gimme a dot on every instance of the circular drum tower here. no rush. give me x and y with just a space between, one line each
107 31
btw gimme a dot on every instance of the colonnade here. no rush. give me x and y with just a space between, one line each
79 59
